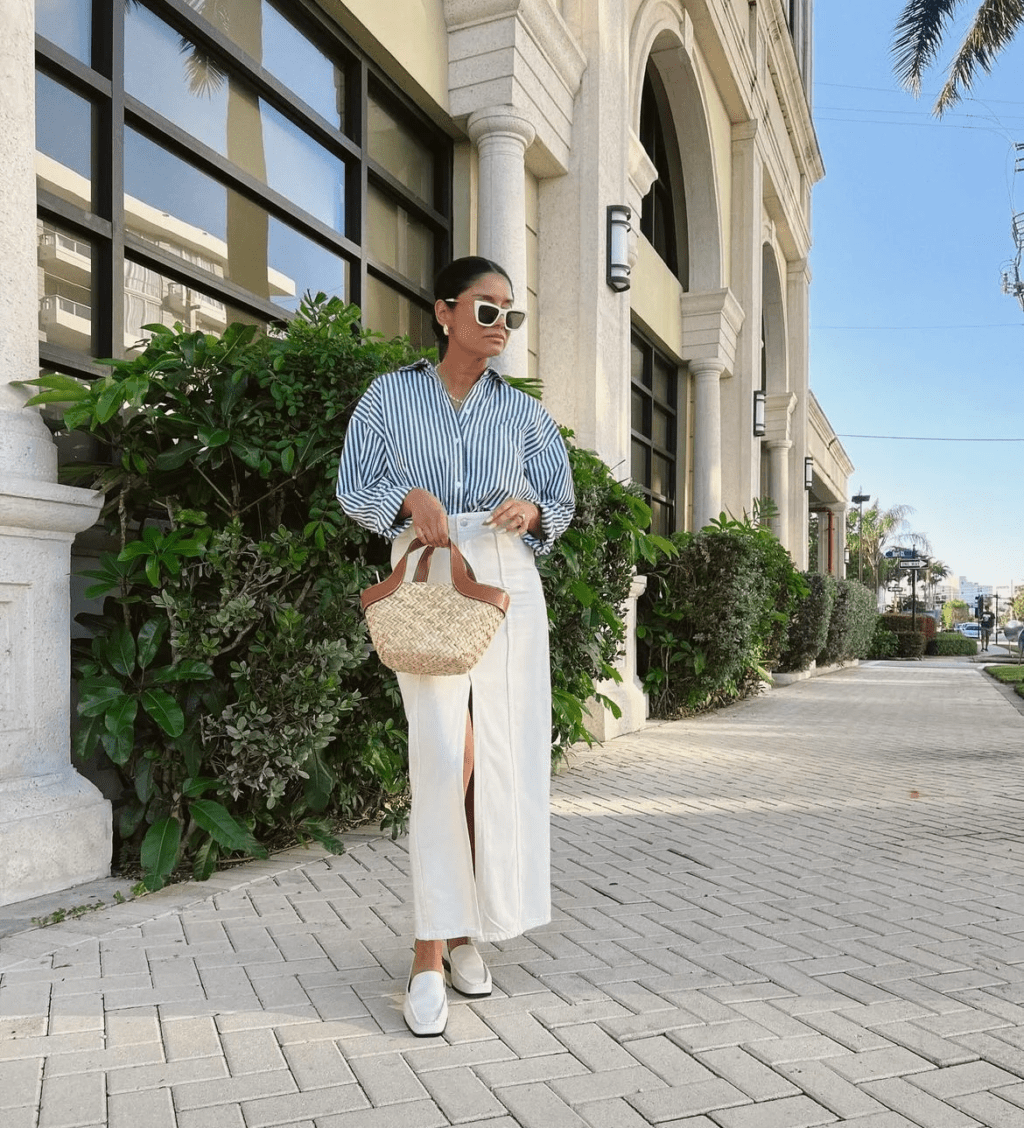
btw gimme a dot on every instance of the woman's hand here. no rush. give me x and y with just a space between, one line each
429 519
517 516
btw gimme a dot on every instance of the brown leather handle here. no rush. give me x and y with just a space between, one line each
463 579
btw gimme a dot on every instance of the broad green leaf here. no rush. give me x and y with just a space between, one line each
119 650
144 779
320 782
97 695
131 816
178 455
193 788
162 707
321 832
151 634
119 745
121 714
86 736
228 831
159 852
288 459
189 669
153 570
583 592
213 438
109 403
205 861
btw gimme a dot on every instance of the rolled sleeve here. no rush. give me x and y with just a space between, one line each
368 490
548 471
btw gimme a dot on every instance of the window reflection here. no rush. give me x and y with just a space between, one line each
185 84
151 298
391 313
398 241
173 205
400 151
65 287
63 142
68 23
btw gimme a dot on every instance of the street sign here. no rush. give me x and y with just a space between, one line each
901 554
910 564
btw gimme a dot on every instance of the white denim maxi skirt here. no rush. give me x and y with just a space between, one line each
511 708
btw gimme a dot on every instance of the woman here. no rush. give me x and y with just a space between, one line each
455 452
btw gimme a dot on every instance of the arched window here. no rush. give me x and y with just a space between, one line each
663 214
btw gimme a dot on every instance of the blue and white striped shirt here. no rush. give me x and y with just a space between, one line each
404 434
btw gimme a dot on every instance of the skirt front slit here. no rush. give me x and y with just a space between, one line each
510 890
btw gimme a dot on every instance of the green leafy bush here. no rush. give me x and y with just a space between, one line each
899 623
910 644
713 619
228 680
949 643
808 624
852 625
884 643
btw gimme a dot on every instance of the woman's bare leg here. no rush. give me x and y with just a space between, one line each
427 956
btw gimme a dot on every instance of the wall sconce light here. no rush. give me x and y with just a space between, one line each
760 399
808 473
618 247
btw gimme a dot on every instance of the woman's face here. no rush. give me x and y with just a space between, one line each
465 334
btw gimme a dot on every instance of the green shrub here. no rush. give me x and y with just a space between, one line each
910 644
899 623
884 643
948 643
808 624
229 681
852 625
713 618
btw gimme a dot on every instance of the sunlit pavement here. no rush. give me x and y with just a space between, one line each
805 909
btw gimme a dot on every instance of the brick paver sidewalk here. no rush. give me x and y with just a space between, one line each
806 909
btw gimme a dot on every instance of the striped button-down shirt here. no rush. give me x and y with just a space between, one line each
404 434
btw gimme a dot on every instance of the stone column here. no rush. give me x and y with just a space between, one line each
502 137
838 511
707 441
797 302
778 485
55 828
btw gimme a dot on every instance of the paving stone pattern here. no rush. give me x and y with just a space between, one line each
806 909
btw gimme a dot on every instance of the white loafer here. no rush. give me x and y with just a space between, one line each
426 1004
465 970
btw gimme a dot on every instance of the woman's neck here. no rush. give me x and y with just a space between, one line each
460 373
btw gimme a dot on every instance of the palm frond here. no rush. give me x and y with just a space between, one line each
917 38
995 25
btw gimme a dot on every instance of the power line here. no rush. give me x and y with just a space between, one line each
930 438
989 325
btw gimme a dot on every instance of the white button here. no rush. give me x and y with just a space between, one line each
463 522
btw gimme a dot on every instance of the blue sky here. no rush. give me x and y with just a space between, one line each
911 334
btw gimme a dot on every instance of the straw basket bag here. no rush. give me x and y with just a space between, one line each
421 628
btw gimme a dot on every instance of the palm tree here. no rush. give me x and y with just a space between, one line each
936 573
918 37
880 530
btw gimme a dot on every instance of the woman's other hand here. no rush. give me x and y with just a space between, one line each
429 519
517 516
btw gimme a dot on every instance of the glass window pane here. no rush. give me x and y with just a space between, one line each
197 92
307 72
662 518
636 362
639 471
63 142
662 476
66 301
269 37
387 311
662 428
184 211
638 402
68 23
664 381
400 151
398 241
152 298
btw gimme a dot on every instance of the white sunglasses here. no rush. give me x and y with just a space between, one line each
487 313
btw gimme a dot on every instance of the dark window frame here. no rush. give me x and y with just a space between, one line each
102 84
670 409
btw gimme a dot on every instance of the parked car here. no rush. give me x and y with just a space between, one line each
970 630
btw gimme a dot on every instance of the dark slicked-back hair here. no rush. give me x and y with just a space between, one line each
455 279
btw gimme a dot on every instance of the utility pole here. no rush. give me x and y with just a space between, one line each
859 499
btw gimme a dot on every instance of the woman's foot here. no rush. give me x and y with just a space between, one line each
426 1004
465 970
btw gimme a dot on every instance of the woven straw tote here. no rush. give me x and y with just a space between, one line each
421 628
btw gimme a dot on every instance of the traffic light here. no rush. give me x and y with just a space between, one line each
979 606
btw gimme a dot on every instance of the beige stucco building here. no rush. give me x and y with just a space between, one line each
165 161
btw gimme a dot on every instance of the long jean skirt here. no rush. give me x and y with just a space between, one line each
510 889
